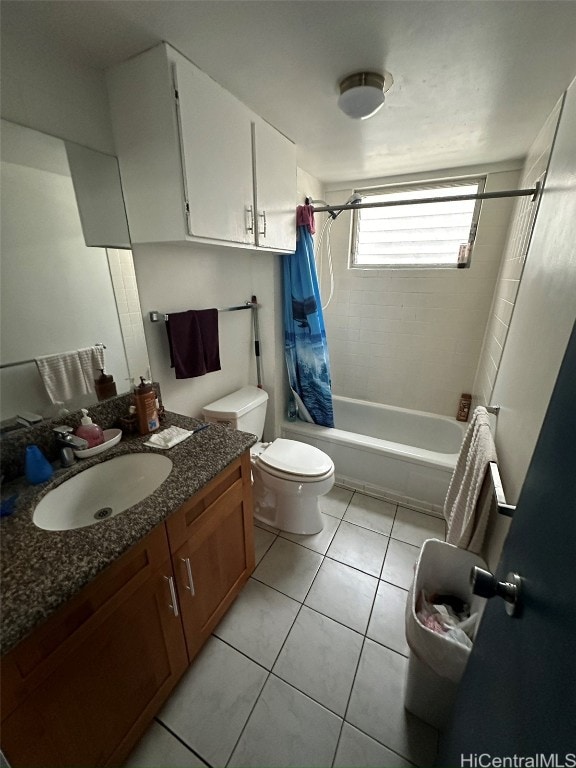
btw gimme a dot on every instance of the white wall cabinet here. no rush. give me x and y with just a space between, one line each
275 188
196 163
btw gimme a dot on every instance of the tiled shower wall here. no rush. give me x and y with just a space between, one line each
513 263
412 338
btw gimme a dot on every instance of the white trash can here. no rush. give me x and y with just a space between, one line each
436 661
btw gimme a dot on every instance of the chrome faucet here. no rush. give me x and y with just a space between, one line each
67 441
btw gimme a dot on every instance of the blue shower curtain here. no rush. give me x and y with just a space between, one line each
305 344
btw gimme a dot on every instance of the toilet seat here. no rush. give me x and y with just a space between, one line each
294 461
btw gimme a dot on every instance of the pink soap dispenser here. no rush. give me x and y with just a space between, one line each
91 432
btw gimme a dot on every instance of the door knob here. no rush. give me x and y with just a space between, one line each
485 584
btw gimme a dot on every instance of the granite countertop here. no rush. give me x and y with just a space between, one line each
41 570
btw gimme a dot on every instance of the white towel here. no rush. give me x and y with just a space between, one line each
466 523
168 437
70 374
92 361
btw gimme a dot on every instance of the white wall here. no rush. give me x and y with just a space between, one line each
176 278
533 311
308 186
56 292
412 338
513 263
544 313
42 90
173 278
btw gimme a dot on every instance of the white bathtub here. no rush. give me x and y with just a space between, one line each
405 456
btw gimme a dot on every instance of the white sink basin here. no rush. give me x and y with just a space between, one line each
102 491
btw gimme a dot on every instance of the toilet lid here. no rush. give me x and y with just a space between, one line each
296 458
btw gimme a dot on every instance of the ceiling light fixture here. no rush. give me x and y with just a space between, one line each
362 94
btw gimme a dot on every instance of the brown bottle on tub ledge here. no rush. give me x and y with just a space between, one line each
146 410
464 407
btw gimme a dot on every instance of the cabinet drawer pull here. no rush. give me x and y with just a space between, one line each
186 561
174 604
263 217
249 219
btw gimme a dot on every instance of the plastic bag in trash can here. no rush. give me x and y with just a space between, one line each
443 619
441 568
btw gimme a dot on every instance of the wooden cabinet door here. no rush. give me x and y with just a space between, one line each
214 563
91 698
215 138
275 187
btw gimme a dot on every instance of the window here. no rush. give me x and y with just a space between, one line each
438 234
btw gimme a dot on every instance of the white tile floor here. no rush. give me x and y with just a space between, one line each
308 666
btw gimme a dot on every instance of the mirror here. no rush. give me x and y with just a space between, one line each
59 294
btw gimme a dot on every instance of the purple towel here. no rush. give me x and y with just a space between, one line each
193 340
208 323
305 217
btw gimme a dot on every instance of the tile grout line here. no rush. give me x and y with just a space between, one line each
355 493
249 714
175 735
283 645
356 669
365 636
302 605
395 502
360 658
270 672
333 559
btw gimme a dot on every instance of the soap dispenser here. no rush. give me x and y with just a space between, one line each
91 432
105 386
146 409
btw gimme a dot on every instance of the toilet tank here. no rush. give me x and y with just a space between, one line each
244 409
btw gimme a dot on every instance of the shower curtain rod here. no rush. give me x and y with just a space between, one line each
534 192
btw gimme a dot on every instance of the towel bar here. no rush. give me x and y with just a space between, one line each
503 507
33 360
157 317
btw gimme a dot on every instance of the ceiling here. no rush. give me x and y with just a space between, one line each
474 80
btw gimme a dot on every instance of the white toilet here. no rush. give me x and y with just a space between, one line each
288 476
